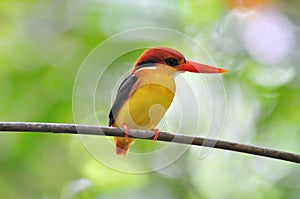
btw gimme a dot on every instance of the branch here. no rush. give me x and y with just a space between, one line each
148 135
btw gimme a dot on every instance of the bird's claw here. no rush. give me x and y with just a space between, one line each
156 134
126 131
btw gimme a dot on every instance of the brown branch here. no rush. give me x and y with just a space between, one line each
142 134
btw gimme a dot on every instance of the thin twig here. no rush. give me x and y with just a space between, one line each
149 135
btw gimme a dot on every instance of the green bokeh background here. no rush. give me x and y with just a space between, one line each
42 45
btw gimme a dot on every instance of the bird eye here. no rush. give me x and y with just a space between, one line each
172 62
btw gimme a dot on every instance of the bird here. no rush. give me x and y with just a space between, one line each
145 95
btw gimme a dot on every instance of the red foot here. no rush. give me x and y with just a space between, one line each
126 131
156 134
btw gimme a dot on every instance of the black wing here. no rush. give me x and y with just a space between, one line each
122 96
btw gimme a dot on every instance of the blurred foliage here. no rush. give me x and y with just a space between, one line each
43 43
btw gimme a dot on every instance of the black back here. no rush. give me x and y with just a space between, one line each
122 95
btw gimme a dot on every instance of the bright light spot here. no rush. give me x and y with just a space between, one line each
74 187
272 77
267 36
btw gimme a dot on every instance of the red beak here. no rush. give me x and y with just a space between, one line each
199 68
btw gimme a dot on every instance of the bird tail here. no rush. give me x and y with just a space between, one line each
122 145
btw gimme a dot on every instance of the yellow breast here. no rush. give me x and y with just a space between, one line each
150 100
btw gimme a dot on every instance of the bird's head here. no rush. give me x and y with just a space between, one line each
169 57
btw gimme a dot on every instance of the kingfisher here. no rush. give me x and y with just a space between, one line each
145 95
